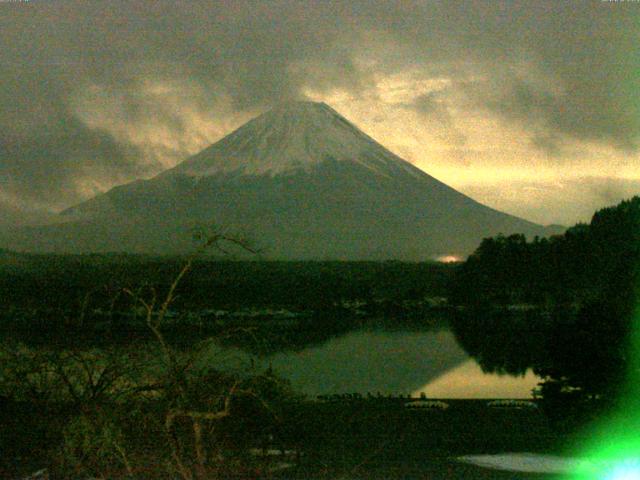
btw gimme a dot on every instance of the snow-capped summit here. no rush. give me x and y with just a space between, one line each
301 180
291 137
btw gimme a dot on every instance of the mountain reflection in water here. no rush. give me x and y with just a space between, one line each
469 381
394 362
371 361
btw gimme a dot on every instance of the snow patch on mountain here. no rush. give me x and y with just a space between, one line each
293 137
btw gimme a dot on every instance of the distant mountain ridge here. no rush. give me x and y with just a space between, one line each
301 180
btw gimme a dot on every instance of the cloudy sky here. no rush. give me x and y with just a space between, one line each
532 107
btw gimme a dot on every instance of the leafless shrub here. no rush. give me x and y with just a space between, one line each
115 391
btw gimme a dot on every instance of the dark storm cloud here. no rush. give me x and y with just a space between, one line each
64 160
256 53
567 68
562 69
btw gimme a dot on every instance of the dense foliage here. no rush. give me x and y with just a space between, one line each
582 265
63 281
581 291
261 306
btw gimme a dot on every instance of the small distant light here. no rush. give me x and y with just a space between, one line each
448 259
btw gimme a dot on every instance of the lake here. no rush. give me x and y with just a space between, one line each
391 362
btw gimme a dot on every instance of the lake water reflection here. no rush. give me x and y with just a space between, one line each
395 362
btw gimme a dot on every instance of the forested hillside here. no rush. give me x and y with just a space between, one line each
587 262
564 306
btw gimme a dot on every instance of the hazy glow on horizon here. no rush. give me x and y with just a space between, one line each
496 164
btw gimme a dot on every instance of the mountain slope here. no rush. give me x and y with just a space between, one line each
293 137
303 182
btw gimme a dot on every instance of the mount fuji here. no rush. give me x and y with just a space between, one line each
303 182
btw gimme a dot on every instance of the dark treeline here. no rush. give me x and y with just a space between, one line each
583 286
582 265
57 281
260 306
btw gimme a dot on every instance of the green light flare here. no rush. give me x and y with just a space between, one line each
629 470
613 445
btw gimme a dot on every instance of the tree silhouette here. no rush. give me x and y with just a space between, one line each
585 282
